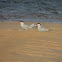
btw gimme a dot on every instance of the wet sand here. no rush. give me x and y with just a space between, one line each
31 45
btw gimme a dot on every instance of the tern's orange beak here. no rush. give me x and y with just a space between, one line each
35 24
18 22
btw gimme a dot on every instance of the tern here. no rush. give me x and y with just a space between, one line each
26 27
41 28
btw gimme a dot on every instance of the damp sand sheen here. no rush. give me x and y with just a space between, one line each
30 45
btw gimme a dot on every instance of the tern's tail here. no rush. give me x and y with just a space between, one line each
33 25
52 29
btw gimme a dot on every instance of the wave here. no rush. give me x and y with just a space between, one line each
14 9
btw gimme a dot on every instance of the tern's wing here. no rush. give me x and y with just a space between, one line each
32 25
25 26
44 29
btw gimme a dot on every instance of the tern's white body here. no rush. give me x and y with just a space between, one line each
41 28
24 26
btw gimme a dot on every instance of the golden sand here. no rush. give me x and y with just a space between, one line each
30 45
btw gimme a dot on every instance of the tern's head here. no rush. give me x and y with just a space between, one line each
20 22
38 24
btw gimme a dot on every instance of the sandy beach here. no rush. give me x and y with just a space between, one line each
30 45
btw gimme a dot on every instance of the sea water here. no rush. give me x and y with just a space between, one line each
31 10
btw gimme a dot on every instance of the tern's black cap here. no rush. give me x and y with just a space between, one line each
38 23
